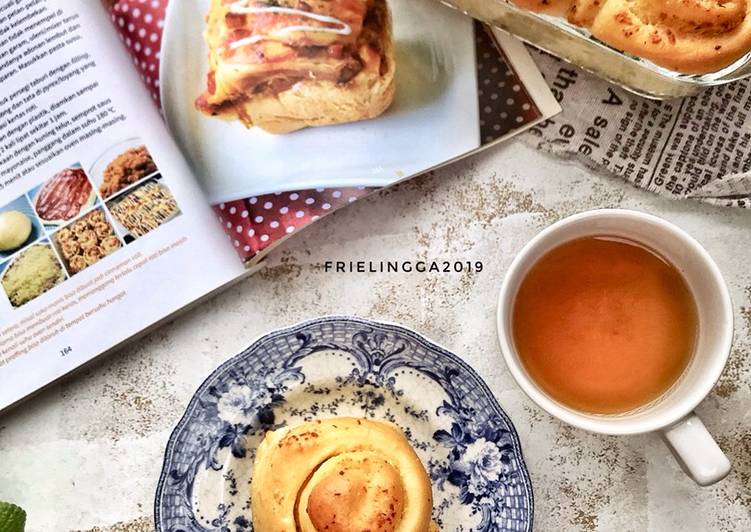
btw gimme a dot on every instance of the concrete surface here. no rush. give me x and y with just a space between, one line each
86 454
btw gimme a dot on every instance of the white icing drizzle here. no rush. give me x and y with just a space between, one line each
241 7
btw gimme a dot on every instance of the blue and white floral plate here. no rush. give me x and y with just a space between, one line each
341 366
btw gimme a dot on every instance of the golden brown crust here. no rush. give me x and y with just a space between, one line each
284 85
688 36
354 491
549 7
340 475
691 36
321 103
583 12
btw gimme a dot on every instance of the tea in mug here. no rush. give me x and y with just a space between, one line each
604 325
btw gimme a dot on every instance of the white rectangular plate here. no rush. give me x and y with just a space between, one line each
434 117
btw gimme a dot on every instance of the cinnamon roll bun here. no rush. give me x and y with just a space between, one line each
340 475
688 36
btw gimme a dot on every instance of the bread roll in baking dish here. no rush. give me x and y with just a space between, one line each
340 475
687 36
284 65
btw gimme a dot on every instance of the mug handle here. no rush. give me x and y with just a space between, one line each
696 451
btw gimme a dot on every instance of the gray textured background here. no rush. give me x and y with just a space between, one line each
86 454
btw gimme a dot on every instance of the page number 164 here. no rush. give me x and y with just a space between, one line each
66 351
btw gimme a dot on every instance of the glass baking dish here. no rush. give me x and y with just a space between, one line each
577 46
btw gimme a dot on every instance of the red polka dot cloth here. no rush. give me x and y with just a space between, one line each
140 24
254 224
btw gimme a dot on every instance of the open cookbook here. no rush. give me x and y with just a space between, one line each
152 154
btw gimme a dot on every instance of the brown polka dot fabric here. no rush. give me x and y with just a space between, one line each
504 102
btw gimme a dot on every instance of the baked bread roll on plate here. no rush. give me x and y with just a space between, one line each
289 64
340 475
687 36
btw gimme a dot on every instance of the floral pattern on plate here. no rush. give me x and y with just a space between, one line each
341 366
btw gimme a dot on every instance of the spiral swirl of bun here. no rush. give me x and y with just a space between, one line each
688 36
340 475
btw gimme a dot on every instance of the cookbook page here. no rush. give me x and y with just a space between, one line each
103 230
319 104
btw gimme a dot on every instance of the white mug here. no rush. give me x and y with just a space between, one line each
673 413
